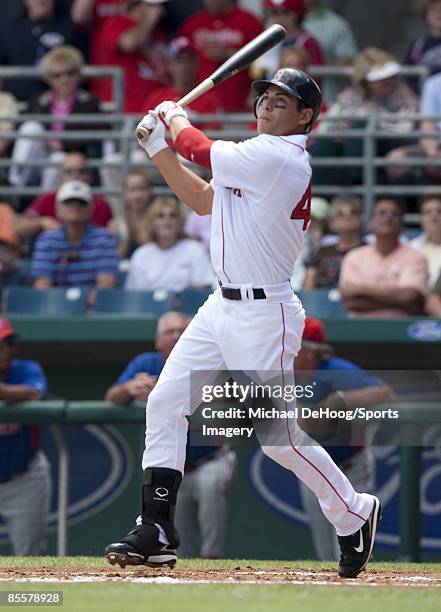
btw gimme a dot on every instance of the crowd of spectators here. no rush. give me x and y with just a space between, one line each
163 52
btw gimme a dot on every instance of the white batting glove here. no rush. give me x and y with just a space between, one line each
168 110
155 141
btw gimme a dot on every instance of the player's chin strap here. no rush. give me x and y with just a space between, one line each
159 494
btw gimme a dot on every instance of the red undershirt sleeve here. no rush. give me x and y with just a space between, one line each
192 144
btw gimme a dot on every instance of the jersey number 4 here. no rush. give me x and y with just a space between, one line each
302 210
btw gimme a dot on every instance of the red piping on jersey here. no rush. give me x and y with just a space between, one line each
294 144
192 144
223 242
289 433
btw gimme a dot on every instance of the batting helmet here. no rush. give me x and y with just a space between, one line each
298 84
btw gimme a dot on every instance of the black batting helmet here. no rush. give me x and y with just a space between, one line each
298 84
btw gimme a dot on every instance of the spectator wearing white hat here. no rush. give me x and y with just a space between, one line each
377 88
78 253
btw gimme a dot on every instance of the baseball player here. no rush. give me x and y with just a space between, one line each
259 199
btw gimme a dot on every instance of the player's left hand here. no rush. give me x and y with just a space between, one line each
168 109
156 139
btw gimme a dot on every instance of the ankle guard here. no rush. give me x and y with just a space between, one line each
159 494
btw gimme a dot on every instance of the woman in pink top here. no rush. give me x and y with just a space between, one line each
61 69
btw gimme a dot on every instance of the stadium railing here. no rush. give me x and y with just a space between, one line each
117 129
412 417
344 73
236 127
88 73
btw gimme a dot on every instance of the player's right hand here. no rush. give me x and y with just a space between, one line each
169 109
155 141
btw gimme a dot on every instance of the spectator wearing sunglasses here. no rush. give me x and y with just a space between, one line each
169 260
61 68
323 269
78 253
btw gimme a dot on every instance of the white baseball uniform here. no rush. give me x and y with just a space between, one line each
259 218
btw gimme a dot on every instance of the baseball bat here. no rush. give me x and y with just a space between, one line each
240 60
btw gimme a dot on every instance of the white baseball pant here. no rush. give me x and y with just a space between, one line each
248 335
361 472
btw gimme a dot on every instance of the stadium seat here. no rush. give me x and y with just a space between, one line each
322 303
56 301
123 301
190 300
24 267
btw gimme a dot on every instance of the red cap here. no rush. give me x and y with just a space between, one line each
181 43
6 330
314 331
298 6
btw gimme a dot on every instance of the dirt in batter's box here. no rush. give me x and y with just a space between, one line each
239 574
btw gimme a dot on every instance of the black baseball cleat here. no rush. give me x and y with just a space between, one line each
141 546
356 549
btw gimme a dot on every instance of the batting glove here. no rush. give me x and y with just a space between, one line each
155 141
167 110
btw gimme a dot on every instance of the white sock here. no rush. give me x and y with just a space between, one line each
162 537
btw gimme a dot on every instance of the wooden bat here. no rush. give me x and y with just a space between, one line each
240 60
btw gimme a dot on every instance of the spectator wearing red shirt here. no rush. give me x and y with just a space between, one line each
40 215
216 34
137 44
290 15
182 68
93 14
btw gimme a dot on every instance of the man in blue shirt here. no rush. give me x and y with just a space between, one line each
78 253
202 507
340 385
25 483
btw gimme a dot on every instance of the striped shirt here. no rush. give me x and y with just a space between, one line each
75 265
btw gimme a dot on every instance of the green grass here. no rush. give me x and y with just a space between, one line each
100 562
111 597
133 597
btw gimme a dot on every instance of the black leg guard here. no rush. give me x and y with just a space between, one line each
159 495
141 546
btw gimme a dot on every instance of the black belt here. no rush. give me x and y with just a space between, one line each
235 294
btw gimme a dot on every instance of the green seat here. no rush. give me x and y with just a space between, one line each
124 301
58 301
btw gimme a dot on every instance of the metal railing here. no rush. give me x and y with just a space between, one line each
118 129
345 72
413 417
88 73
